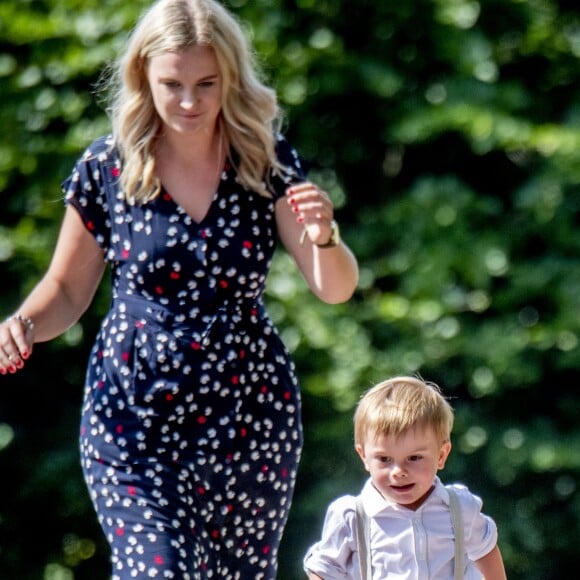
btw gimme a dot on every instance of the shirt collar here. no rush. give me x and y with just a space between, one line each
374 503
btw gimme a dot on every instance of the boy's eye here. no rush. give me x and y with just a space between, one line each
384 459
415 457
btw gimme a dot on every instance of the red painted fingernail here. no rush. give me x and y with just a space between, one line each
300 219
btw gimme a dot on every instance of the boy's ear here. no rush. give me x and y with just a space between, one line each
443 454
361 453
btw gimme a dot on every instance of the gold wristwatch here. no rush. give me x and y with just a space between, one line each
334 236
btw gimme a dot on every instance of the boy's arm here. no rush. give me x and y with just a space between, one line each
491 565
332 555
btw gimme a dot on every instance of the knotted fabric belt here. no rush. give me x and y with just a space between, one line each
237 315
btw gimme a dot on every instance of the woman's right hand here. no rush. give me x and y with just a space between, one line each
16 342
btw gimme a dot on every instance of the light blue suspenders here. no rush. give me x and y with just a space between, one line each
363 527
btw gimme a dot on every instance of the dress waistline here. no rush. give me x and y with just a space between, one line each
233 314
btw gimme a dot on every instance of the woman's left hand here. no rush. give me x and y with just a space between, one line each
313 208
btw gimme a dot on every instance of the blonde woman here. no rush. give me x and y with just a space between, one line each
191 430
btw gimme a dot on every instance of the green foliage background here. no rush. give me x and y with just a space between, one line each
447 132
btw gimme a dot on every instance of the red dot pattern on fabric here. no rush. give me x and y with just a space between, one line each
191 431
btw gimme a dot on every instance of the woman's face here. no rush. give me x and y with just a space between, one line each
186 87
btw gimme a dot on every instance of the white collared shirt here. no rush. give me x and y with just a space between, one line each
405 544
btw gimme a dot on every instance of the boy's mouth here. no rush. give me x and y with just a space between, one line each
399 488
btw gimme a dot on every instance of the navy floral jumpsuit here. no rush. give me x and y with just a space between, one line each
191 431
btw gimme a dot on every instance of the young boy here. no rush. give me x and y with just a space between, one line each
402 430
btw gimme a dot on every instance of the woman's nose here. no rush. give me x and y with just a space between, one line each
188 99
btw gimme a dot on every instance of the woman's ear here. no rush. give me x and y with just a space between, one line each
443 454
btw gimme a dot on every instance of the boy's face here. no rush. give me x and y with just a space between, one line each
402 468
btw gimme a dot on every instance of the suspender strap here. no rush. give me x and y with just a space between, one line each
363 525
458 530
363 537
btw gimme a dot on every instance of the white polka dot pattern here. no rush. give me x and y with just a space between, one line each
191 431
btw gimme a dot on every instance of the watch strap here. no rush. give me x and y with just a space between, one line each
334 236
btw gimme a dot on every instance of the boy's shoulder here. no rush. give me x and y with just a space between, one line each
458 487
343 504
341 514
467 499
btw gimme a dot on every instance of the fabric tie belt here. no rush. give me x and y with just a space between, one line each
237 314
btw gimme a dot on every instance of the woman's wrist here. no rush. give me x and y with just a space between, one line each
334 239
25 320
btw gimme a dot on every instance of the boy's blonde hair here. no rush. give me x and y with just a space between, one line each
400 403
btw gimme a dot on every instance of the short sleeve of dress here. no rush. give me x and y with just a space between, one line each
89 189
293 172
334 556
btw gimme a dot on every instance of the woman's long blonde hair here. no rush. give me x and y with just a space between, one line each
250 115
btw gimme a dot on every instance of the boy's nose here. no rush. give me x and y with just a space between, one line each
399 471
